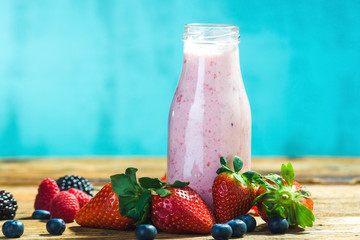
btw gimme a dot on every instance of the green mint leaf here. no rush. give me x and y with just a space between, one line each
147 182
223 161
178 184
304 216
238 164
287 172
162 192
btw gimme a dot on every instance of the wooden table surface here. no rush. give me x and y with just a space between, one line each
334 183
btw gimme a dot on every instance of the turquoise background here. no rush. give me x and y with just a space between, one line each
80 78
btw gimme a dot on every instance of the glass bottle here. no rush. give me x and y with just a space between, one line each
210 112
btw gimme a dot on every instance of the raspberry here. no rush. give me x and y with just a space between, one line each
64 206
72 181
82 197
8 205
46 192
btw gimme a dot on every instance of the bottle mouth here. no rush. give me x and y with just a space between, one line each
208 33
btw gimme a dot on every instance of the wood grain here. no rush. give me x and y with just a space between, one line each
309 169
335 192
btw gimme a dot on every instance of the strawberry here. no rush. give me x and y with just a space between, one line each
64 206
182 211
283 197
163 178
46 192
102 211
81 196
232 192
174 208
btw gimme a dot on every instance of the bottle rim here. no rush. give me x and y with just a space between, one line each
211 33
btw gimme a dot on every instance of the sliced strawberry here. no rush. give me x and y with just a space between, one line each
233 192
102 211
281 196
46 192
173 208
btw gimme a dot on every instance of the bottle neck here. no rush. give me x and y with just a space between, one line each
210 49
212 64
224 56
212 41
211 33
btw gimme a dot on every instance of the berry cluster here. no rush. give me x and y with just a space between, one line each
73 181
63 204
8 205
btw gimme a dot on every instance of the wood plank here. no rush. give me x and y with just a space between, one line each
32 171
337 212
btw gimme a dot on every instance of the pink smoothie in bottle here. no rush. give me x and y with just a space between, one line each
210 113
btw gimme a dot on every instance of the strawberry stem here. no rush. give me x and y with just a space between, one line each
282 200
134 198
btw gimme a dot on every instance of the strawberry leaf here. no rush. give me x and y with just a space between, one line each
275 179
162 192
258 179
223 161
238 164
143 200
304 216
303 192
131 172
249 175
239 178
147 182
291 214
130 192
287 172
143 207
265 197
124 185
224 167
178 184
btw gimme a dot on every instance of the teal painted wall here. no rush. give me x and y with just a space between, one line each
97 77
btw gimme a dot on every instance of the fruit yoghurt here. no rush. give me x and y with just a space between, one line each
209 116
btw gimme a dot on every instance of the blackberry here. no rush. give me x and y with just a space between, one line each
73 181
8 205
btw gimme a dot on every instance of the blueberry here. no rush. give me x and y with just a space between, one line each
238 227
278 225
249 221
221 231
55 226
41 214
145 232
13 229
